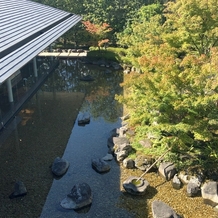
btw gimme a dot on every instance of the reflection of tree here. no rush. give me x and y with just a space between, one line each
100 93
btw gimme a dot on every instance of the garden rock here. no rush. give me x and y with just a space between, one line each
79 197
19 190
167 170
176 182
110 142
120 141
134 187
143 162
209 193
193 189
83 119
100 166
122 151
128 163
60 166
162 210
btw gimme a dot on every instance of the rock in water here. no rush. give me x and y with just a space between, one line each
79 197
19 190
59 166
100 166
83 118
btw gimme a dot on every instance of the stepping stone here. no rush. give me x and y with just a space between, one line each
108 157
60 166
100 166
19 190
83 118
79 197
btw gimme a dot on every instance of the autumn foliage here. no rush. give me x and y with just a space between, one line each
98 33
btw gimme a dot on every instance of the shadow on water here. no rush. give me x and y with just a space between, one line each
47 130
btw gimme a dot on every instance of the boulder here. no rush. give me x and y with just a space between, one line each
193 189
129 163
120 141
135 185
162 210
143 162
19 190
60 166
167 170
122 151
209 193
176 182
100 166
79 197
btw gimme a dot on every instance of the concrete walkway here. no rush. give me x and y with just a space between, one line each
64 54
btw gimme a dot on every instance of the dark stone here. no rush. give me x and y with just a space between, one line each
100 165
60 166
19 190
162 210
134 187
167 170
79 197
83 119
87 78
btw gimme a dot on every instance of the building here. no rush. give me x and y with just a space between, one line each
26 29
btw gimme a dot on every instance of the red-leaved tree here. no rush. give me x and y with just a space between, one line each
98 32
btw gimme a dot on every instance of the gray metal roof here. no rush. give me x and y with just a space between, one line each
26 28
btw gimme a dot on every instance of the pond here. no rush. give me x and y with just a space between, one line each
47 129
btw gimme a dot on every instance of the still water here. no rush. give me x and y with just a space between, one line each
47 128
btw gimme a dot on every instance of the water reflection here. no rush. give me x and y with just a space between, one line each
99 93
